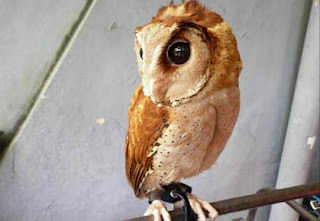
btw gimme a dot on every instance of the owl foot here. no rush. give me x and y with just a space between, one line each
198 205
158 209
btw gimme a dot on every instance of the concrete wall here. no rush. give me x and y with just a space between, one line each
30 35
66 166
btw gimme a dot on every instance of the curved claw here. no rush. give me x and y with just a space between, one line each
198 205
158 210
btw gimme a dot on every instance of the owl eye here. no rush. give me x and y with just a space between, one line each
179 52
141 53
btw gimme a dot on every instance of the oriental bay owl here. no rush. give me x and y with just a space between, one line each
184 111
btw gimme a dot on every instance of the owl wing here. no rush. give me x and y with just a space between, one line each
146 123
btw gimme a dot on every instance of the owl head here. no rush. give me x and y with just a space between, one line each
184 49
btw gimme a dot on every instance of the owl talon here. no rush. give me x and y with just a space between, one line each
158 210
198 205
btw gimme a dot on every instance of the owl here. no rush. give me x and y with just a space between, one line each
184 110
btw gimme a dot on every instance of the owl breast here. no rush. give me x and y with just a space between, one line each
183 144
196 135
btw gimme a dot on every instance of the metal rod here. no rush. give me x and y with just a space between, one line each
253 211
302 211
293 204
252 201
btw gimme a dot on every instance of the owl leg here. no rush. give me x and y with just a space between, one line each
158 209
198 205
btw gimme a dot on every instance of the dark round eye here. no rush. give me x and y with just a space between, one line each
141 53
179 52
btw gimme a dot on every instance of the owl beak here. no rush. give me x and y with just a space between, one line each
159 89
156 88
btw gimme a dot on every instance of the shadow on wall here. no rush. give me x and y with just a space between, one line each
4 143
7 136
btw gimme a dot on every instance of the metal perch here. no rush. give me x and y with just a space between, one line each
251 201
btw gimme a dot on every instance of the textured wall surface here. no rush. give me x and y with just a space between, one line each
30 35
67 166
303 125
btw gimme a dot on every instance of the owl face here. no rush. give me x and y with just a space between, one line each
176 51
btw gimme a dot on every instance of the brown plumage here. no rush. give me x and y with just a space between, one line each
147 122
183 113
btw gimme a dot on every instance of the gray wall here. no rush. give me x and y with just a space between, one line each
30 35
66 166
